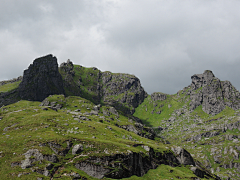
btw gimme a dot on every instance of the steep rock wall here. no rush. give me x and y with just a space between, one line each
41 79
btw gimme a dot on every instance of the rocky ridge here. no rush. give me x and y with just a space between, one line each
42 78
123 91
203 117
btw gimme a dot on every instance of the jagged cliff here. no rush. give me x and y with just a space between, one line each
44 78
212 94
123 91
193 116
41 79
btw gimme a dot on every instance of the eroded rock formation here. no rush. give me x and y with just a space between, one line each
212 94
41 79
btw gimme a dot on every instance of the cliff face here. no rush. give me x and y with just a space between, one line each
44 78
123 91
212 94
41 79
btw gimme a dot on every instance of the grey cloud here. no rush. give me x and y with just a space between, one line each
162 42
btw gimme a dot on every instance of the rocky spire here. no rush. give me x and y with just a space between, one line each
41 79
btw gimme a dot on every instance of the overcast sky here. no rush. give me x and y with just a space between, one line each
162 42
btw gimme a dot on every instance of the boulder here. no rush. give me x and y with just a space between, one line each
78 148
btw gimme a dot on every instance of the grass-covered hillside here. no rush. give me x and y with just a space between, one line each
213 139
9 86
73 122
53 139
8 91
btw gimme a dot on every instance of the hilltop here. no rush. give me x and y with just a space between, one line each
203 118
73 122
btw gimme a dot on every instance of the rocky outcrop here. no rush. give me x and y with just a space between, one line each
116 166
32 156
10 97
125 88
183 156
123 91
140 130
212 94
68 74
158 96
41 79
58 149
126 165
78 148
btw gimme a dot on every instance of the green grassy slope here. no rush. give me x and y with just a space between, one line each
26 125
179 125
147 111
9 87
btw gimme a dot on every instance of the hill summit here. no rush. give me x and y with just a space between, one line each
211 93
204 118
74 122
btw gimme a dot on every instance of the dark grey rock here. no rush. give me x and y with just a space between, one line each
49 166
131 164
105 111
109 127
198 172
15 164
41 79
52 158
97 108
95 171
217 159
58 149
129 86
